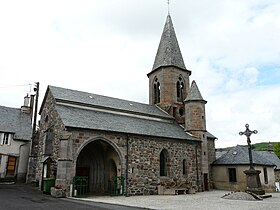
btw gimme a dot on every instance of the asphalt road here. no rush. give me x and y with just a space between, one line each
26 197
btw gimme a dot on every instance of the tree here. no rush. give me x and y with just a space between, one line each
277 149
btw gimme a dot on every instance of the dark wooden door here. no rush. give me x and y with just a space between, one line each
82 171
206 186
11 166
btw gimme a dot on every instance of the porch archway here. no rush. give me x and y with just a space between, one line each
100 162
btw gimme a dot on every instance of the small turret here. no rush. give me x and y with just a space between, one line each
195 111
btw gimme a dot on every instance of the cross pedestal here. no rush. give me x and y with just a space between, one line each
254 182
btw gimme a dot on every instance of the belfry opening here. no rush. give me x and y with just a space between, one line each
100 164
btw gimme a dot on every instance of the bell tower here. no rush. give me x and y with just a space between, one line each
169 78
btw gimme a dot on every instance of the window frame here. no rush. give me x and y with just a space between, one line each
6 138
163 170
156 91
185 169
180 86
232 175
265 176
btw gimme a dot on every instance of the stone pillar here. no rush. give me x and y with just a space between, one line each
253 181
64 164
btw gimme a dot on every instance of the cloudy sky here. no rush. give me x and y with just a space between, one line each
107 47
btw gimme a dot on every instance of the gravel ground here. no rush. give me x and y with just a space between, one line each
239 196
202 200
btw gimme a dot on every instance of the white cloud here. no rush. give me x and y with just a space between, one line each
258 106
108 47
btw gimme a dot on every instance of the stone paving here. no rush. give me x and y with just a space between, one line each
202 200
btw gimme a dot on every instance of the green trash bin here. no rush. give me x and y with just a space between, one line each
47 184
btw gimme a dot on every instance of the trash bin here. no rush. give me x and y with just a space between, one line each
47 184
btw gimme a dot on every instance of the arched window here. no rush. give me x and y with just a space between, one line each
50 135
185 167
180 88
156 91
163 162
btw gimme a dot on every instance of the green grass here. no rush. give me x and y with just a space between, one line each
258 146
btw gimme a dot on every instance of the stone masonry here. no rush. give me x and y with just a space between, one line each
143 155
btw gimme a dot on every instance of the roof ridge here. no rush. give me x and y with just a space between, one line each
99 95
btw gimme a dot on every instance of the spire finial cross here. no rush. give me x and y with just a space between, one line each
168 3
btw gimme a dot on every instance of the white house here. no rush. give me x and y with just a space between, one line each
15 140
228 169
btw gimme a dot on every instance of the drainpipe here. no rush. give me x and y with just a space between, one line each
126 174
197 174
36 89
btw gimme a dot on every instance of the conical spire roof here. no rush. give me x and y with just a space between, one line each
168 53
194 93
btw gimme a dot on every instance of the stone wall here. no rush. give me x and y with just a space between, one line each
144 165
143 159
211 158
277 175
168 91
195 116
33 162
49 119
221 178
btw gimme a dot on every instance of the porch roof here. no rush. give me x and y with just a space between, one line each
98 119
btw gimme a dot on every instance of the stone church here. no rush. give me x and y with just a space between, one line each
158 148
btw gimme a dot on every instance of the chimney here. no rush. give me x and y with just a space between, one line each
26 108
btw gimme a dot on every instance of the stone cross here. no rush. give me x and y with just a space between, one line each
248 133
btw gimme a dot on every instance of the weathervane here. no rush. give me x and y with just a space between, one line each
248 133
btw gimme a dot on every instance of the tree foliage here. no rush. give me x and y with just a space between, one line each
277 149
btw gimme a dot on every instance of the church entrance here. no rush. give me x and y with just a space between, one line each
205 180
100 162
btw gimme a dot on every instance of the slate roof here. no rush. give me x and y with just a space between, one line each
239 156
105 102
97 112
270 156
219 153
105 121
210 135
194 93
169 53
14 121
